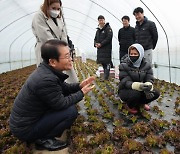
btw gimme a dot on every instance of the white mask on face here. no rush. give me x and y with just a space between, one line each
54 13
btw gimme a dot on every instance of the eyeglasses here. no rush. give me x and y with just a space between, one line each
66 57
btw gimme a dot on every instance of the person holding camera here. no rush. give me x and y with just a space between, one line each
136 80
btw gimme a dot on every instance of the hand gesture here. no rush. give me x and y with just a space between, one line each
87 88
87 81
149 95
145 87
98 45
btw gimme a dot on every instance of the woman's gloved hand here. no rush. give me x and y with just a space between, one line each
145 87
149 94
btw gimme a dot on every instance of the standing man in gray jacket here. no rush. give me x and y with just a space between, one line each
145 33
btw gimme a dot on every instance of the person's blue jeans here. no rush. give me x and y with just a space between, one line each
52 124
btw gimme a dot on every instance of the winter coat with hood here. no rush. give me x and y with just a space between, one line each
139 71
44 91
146 34
44 29
104 36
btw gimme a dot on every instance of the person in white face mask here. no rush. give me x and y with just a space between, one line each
47 24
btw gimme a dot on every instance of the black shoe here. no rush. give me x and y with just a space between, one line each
50 144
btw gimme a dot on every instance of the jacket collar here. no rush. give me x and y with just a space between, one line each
52 25
143 62
106 24
126 27
60 74
144 21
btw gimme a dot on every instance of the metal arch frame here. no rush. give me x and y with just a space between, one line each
90 18
106 10
31 54
78 28
80 13
22 49
74 33
13 43
79 22
82 36
18 35
16 20
169 61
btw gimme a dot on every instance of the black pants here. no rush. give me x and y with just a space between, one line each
52 124
106 68
135 98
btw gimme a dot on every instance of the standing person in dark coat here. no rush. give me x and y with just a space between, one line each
145 33
45 106
103 43
71 46
126 37
136 80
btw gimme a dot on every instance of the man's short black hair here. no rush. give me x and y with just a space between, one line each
126 18
49 50
101 17
137 10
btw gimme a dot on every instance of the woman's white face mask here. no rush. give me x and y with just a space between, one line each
54 13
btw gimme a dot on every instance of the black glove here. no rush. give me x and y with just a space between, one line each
149 95
145 87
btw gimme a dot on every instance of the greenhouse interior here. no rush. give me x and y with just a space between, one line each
104 124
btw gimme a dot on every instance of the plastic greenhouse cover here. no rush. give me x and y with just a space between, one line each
80 16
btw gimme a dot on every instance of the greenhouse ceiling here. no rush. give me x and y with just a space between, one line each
80 17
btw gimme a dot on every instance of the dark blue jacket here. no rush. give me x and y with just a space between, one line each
126 37
104 36
146 34
44 90
129 74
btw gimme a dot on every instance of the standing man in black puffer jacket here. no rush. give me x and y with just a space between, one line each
103 43
45 106
126 37
145 33
136 80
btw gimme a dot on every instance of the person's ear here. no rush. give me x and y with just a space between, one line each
52 62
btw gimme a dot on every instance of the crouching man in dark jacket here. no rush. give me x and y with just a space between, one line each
136 80
45 106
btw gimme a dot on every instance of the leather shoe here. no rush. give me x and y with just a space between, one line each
50 144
